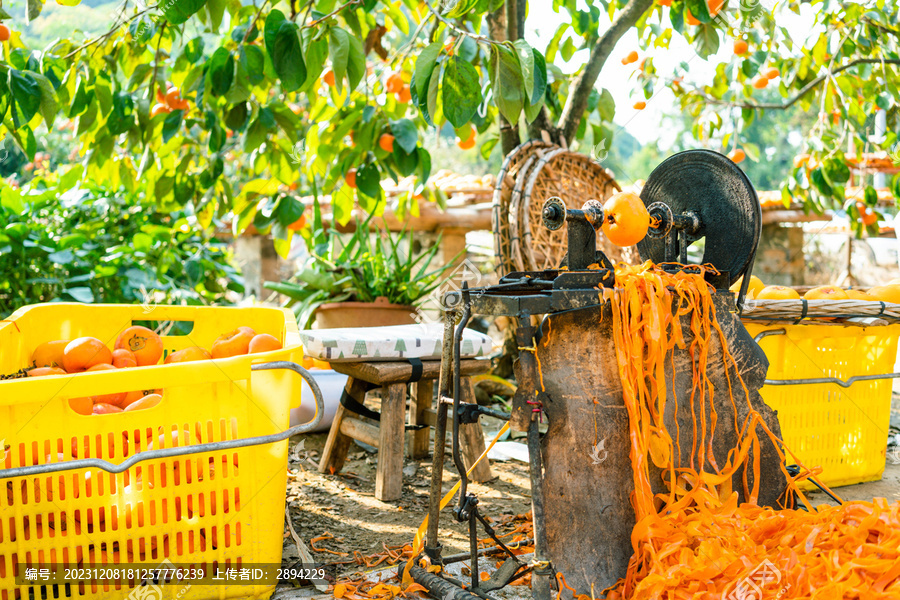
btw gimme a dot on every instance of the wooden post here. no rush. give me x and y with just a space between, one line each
336 446
471 438
389 473
453 242
418 439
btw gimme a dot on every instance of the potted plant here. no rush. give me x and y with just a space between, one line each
361 279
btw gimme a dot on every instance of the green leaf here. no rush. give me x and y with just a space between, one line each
339 49
33 9
121 117
707 40
488 146
506 82
27 94
699 10
254 62
193 50
460 91
5 98
171 124
405 134
273 22
287 57
220 71
870 196
424 67
526 61
356 63
423 171
178 12
836 171
751 150
368 181
540 78
215 9
49 104
289 210
606 106
80 294
406 161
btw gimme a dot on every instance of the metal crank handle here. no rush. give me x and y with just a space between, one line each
146 455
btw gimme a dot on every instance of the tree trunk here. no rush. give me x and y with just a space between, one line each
581 88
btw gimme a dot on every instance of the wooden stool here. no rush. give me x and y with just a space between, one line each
388 434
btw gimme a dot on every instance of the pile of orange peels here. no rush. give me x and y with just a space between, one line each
696 541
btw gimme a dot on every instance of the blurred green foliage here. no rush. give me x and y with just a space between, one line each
59 242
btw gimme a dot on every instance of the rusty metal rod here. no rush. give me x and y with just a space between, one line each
432 545
442 589
540 578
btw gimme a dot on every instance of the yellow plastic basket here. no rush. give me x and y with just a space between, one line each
842 427
219 508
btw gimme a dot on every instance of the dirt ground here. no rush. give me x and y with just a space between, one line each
343 504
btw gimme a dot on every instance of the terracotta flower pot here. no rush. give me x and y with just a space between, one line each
363 314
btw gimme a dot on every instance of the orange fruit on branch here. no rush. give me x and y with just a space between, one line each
772 73
625 219
172 96
737 155
233 343
189 354
386 142
689 18
630 58
777 292
640 105
146 346
350 177
263 342
83 353
467 143
760 82
404 95
394 83
740 47
866 214
4 32
826 292
328 78
49 354
159 109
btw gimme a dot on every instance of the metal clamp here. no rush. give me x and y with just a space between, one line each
96 463
844 383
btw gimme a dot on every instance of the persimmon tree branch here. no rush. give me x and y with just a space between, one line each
804 90
581 88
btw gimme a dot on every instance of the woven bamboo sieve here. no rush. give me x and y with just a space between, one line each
503 190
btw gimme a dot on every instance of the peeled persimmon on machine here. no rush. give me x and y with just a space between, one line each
570 391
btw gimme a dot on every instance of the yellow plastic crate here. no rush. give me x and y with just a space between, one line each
221 509
842 429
